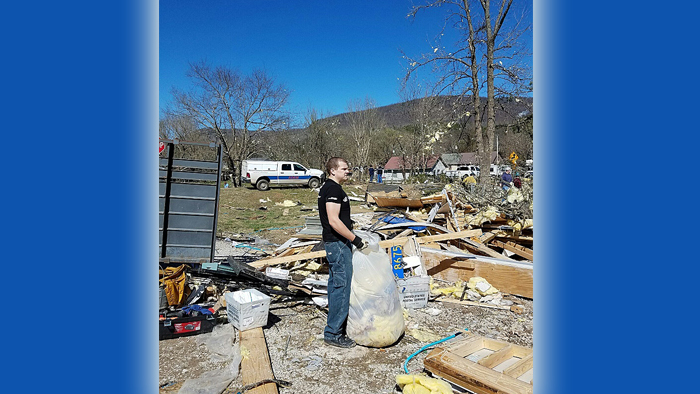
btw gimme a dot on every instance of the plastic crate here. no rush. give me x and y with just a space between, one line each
247 309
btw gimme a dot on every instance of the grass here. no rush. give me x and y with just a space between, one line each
240 210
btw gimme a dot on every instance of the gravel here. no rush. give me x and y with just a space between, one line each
299 355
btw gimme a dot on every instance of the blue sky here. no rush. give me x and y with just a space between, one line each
326 52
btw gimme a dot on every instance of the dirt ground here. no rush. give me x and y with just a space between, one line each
299 355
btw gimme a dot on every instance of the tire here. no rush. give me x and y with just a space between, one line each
263 185
314 182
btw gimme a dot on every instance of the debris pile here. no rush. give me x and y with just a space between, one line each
468 246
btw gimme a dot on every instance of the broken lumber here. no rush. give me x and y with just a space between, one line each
434 199
515 248
383 244
256 367
486 237
472 303
508 276
483 248
397 202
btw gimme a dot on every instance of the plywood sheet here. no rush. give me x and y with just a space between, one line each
508 276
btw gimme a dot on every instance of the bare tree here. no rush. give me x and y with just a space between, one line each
429 122
173 126
235 107
481 46
321 138
388 144
184 128
365 122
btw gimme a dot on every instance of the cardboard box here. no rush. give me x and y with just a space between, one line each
247 309
414 291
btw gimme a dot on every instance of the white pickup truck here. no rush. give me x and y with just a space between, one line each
264 174
462 171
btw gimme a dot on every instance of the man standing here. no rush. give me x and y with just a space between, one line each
380 172
334 212
371 173
506 179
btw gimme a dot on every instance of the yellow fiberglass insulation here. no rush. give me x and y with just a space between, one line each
454 291
514 195
421 384
415 388
481 286
423 335
484 215
520 225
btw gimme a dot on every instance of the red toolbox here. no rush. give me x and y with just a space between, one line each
185 326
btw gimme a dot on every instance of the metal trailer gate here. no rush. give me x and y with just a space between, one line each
188 202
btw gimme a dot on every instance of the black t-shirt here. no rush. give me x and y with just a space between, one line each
333 192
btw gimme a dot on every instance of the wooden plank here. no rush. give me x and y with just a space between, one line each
405 233
473 303
486 237
513 277
308 236
434 199
307 249
471 375
518 351
256 366
501 355
485 249
515 248
287 252
287 259
467 345
516 238
445 237
300 244
450 226
519 368
384 244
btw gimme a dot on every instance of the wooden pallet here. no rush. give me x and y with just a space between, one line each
483 365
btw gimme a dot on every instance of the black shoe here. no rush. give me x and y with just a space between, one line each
342 341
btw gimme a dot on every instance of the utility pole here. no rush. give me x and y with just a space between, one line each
497 155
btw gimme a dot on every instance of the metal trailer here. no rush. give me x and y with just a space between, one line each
188 202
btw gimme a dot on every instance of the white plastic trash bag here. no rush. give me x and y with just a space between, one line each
376 316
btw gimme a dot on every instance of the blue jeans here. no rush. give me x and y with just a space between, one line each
339 257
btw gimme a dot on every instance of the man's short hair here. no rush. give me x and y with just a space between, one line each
334 162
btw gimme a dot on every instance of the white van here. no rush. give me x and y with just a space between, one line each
264 174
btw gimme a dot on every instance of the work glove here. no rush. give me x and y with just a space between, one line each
359 243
